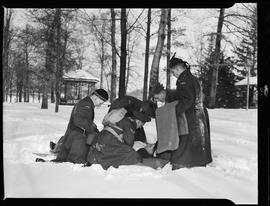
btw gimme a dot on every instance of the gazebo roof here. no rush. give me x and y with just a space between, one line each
79 75
252 81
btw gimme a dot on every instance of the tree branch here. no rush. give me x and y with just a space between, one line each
130 28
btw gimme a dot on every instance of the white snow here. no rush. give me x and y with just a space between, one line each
232 174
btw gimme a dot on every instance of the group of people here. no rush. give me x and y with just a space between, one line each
123 125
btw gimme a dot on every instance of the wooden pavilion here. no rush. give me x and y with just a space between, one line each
76 85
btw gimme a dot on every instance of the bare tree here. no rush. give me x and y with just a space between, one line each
7 36
122 89
154 74
145 83
168 82
113 71
59 69
214 80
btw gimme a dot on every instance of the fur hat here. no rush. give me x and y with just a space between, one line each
102 94
141 116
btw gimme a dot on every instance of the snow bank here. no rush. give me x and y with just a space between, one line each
28 129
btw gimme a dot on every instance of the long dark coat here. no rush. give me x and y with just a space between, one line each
194 149
131 104
73 147
107 150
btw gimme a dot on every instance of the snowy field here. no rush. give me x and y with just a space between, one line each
232 174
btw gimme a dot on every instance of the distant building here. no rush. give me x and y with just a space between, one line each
253 92
76 85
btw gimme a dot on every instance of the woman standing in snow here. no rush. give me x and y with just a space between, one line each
194 148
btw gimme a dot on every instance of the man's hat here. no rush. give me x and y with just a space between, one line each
141 116
102 94
176 61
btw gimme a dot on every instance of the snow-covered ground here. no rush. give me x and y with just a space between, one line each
232 174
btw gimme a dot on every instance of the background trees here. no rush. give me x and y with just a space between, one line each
117 45
7 37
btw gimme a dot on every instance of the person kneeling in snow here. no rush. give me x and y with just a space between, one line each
73 146
129 104
113 145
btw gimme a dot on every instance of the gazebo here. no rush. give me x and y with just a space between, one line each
251 83
76 85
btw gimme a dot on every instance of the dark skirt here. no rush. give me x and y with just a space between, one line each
195 148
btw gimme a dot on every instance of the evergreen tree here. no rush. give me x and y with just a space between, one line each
227 93
226 90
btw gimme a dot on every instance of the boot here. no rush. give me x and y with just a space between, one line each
40 160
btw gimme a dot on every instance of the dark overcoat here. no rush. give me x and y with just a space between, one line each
195 148
131 104
107 150
73 144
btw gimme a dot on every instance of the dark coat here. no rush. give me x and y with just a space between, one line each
131 104
73 144
194 149
107 150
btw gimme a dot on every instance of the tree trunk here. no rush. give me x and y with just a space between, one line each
113 74
145 81
6 47
33 96
17 93
168 83
122 89
28 95
44 102
20 93
10 91
161 37
102 64
24 93
102 59
214 79
58 58
7 93
38 93
46 81
52 93
26 83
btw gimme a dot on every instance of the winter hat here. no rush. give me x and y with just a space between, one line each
141 116
102 94
176 61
